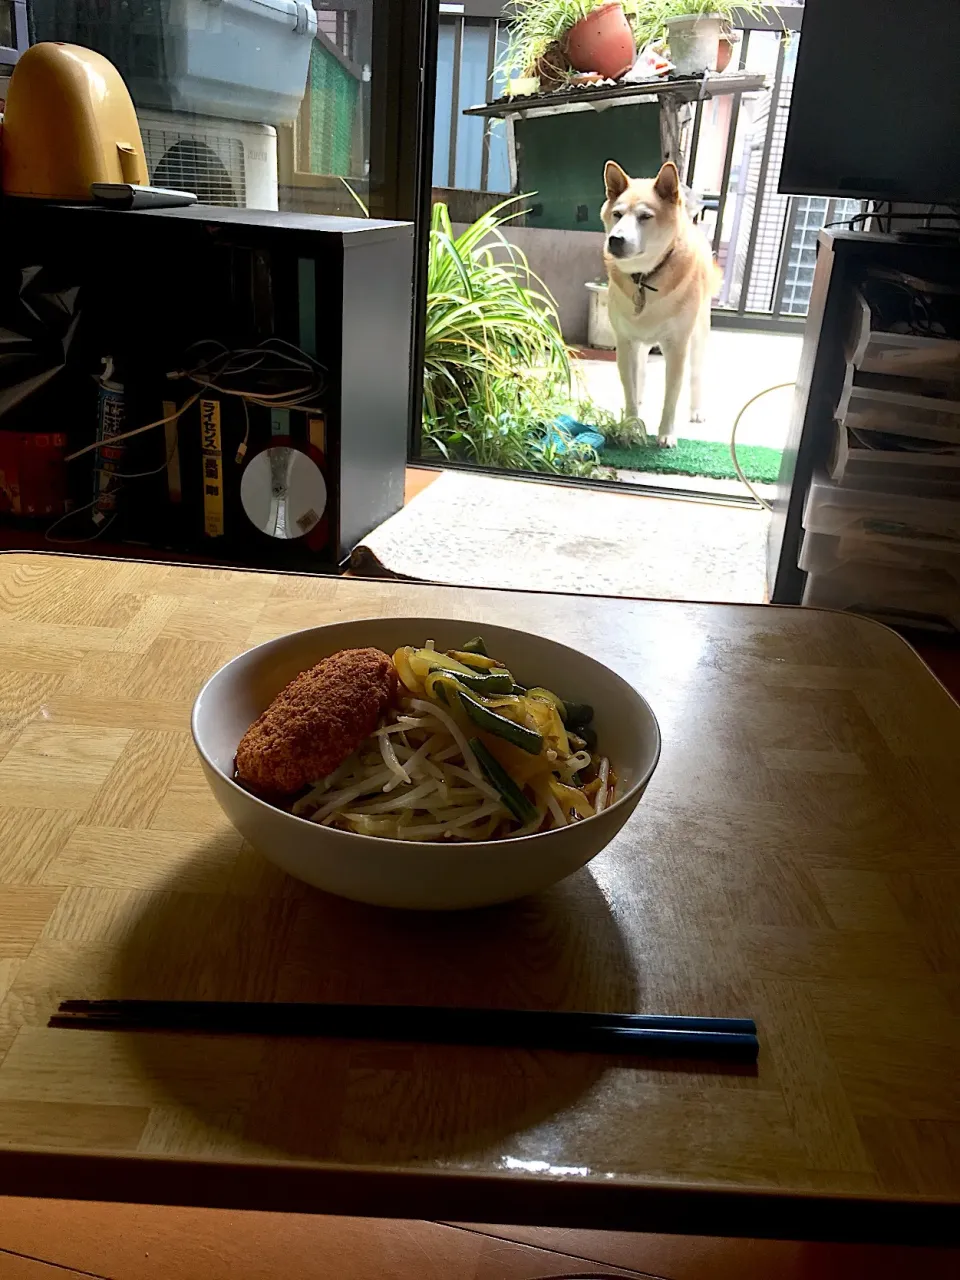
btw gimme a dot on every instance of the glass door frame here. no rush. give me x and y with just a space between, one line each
393 54
401 164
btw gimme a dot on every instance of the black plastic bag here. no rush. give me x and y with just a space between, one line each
43 374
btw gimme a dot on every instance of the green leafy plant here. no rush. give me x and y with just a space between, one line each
536 26
507 441
489 318
619 431
496 368
581 461
364 208
500 436
660 10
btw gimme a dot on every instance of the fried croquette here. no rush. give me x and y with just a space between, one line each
317 721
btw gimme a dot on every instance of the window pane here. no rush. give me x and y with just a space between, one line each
473 91
443 117
498 165
258 103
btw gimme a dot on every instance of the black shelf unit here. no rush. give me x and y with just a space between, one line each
844 258
152 282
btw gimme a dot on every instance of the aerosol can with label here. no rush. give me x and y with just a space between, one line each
111 422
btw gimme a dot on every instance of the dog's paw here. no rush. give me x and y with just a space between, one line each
696 415
667 442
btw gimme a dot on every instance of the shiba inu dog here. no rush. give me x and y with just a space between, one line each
662 276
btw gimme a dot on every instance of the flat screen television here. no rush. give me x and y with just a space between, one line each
875 112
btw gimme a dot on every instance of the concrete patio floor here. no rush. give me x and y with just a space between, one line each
700 550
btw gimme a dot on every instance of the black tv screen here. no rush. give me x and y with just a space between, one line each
876 102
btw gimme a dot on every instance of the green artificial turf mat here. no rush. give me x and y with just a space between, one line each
698 458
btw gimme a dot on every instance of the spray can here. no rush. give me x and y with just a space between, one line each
111 422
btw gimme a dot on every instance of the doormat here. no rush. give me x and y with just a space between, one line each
699 458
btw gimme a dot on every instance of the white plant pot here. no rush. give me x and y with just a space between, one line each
522 86
599 330
695 42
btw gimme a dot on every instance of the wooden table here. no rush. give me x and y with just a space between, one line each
795 858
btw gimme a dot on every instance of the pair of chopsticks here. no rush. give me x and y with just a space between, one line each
728 1039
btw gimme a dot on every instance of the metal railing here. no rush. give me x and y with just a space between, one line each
765 242
469 154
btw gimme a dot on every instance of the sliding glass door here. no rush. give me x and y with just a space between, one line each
322 107
356 148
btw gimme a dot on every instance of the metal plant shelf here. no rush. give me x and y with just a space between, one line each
679 88
643 124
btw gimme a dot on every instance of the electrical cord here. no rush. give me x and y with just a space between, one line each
140 475
952 219
225 367
114 475
222 370
73 542
126 435
780 386
275 374
863 216
924 315
242 447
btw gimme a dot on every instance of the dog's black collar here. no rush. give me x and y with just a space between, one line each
642 280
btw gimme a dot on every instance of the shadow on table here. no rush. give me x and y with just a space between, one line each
364 1100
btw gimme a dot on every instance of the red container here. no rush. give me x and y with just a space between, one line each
33 474
602 41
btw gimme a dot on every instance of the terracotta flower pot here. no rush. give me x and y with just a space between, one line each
602 41
724 53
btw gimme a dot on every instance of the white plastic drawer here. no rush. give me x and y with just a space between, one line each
897 597
872 406
821 553
840 511
901 355
923 468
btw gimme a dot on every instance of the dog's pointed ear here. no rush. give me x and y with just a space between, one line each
667 185
615 180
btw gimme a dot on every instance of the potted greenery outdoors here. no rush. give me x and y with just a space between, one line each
496 370
600 333
695 29
602 40
547 37
589 35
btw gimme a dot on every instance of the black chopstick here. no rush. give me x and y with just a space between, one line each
618 1033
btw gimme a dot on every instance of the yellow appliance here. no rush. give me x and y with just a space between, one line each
69 122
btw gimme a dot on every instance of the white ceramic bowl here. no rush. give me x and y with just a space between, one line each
419 874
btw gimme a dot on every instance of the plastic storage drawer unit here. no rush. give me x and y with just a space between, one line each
892 592
874 406
918 522
820 554
902 355
887 462
893 556
924 601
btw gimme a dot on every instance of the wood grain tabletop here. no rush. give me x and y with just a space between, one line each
795 859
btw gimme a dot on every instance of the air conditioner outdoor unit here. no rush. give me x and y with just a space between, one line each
224 162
